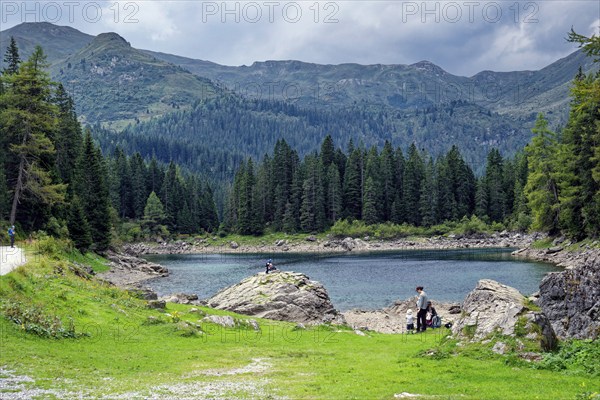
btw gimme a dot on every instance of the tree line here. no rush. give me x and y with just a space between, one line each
53 176
284 193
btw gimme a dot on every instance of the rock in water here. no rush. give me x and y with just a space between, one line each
493 307
571 300
280 295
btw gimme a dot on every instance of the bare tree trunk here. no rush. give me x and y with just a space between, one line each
18 191
20 182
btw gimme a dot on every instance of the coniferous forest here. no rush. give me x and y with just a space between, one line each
54 177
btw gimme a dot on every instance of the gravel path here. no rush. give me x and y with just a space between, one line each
10 258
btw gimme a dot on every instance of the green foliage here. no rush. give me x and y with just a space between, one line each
36 320
358 229
574 356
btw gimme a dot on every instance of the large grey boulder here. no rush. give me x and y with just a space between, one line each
571 299
496 308
279 295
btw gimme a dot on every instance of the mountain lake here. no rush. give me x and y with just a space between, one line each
359 280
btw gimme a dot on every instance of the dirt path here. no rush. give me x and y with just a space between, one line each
10 258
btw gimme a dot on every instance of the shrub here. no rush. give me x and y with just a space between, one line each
32 319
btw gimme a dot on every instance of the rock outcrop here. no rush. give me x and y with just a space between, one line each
280 295
128 271
492 307
571 300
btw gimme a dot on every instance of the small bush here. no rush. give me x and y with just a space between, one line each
575 355
33 320
52 247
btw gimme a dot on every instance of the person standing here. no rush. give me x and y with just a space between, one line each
422 309
410 323
11 235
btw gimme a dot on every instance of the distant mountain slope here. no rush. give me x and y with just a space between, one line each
111 82
58 41
216 134
520 94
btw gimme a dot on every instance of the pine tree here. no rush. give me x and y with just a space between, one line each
91 185
541 189
387 172
154 214
28 121
139 192
171 196
79 228
414 172
353 186
496 196
248 223
429 195
68 138
334 194
12 58
369 211
312 211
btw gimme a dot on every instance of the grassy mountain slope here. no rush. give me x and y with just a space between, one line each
58 41
75 337
520 94
115 84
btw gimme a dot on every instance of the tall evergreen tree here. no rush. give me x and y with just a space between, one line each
79 228
68 138
414 173
91 185
11 58
334 194
542 189
494 183
312 211
353 186
28 117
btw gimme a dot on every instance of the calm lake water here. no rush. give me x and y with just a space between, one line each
367 281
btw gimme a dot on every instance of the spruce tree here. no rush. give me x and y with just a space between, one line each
414 172
68 138
542 189
334 194
79 228
28 122
154 214
91 185
353 186
12 58
369 211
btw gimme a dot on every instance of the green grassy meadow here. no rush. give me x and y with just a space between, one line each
80 337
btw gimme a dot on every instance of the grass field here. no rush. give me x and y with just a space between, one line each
76 336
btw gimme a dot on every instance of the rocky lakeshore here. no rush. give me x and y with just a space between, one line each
312 244
128 271
569 299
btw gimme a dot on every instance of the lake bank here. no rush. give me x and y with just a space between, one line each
312 244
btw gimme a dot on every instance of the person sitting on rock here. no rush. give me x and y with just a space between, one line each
431 316
269 266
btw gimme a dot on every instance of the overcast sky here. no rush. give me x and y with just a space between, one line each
463 37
